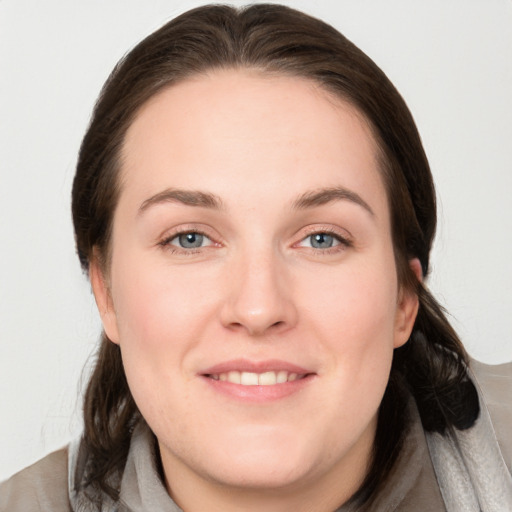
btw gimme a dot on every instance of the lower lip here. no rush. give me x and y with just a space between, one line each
258 394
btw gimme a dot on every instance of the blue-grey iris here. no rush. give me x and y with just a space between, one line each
322 241
191 240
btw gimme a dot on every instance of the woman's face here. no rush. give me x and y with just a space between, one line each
252 287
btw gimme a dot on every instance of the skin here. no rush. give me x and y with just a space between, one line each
256 289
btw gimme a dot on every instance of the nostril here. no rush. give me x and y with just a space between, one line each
257 313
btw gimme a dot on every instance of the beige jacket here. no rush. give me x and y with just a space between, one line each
485 466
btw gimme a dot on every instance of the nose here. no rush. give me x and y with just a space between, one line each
260 299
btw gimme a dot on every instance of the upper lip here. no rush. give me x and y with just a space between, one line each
244 365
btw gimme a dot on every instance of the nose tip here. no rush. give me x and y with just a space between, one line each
258 323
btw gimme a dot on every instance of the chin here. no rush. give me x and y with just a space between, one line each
245 457
259 471
263 460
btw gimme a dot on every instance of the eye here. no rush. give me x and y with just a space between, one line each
188 240
324 240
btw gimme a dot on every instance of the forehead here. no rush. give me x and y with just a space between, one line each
246 91
243 126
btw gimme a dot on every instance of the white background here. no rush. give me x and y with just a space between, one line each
451 60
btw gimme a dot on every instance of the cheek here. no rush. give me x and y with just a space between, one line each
350 316
160 315
353 303
163 313
355 322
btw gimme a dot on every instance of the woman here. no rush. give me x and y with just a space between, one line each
255 212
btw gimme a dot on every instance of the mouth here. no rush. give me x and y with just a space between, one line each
269 378
257 381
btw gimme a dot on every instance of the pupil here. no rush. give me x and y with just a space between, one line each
191 240
321 241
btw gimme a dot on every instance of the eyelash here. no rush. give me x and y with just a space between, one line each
174 249
343 242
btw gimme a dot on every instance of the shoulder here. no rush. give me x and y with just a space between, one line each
40 487
495 383
494 379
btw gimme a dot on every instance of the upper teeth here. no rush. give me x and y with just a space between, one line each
257 379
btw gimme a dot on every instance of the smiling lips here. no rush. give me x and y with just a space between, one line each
269 378
257 381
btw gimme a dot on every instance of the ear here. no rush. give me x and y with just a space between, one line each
103 297
407 308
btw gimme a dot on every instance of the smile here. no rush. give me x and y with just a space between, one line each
257 381
270 378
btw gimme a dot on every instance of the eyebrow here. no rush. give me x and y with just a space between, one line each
307 200
186 197
327 195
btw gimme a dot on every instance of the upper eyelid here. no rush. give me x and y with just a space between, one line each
168 239
181 233
339 239
171 233
340 233
344 238
166 245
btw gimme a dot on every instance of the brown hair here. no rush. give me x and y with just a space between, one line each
274 39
